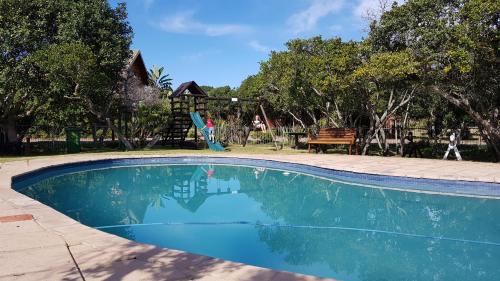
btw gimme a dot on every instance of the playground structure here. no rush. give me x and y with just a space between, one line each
187 98
189 106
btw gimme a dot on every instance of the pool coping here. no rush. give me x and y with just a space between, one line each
84 252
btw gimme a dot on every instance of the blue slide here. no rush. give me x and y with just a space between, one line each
198 122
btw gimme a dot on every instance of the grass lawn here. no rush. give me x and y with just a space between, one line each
470 153
250 149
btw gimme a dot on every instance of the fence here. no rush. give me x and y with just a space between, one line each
235 135
52 140
46 140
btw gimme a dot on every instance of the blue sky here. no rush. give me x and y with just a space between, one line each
221 42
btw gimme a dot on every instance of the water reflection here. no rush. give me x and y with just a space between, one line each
364 234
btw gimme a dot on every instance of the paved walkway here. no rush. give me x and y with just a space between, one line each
52 246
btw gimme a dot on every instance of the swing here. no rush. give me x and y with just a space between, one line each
247 129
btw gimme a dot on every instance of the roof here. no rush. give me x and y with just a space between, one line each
136 63
193 88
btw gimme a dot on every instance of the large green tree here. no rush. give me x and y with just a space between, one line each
331 62
310 80
456 43
59 50
385 82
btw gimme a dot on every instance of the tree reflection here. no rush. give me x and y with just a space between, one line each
371 255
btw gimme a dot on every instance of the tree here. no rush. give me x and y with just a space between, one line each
38 29
385 82
252 88
149 109
158 79
23 28
456 43
72 73
284 87
222 109
332 63
308 77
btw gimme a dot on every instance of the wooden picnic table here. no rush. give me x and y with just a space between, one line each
296 137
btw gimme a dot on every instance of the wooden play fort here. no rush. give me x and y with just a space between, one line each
187 98
188 105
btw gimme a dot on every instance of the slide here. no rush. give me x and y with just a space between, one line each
199 123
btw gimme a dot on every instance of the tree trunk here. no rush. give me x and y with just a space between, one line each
377 138
11 144
491 145
313 117
369 134
298 120
10 129
403 131
155 139
94 134
384 141
376 122
122 138
368 140
376 128
330 119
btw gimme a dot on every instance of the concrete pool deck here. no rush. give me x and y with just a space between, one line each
52 246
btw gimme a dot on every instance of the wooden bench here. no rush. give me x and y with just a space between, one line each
334 136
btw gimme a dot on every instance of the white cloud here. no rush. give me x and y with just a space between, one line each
371 9
184 22
307 19
257 46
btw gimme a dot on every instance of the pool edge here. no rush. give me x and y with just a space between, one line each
468 188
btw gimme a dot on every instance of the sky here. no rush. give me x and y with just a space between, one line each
221 42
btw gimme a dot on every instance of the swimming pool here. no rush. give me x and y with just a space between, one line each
285 216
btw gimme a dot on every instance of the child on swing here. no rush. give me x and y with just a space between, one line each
258 124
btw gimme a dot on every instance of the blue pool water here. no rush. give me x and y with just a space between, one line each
284 220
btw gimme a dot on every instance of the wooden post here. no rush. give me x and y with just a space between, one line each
112 132
94 135
126 125
27 149
195 128
396 139
268 126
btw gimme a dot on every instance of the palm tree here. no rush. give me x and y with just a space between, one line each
157 79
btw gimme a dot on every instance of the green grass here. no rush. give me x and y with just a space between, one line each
470 153
232 149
